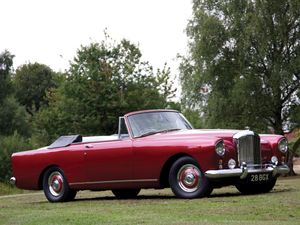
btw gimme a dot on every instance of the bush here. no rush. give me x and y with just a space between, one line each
13 118
9 145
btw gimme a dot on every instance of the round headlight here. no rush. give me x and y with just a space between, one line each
220 149
231 164
283 145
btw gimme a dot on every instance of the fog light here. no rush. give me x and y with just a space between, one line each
220 164
231 163
274 160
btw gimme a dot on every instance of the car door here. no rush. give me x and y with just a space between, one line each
149 157
108 161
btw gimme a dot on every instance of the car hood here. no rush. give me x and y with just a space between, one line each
195 133
210 135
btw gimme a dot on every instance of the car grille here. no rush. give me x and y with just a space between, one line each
248 148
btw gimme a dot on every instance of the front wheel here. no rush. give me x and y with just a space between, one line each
256 188
126 193
56 187
187 180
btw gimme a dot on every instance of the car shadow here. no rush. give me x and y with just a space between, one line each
231 194
140 197
161 197
168 197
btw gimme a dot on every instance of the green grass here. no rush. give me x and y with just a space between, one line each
8 189
225 206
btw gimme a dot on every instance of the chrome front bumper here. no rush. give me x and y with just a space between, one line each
245 170
12 180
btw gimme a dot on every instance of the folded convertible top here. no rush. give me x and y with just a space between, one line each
64 141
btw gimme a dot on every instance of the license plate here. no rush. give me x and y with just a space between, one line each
261 177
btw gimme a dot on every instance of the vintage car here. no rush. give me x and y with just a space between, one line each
153 149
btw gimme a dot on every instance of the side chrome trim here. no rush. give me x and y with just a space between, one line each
114 181
13 180
244 171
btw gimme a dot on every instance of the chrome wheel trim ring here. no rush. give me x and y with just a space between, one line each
56 183
189 178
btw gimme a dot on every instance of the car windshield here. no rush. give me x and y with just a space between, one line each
148 123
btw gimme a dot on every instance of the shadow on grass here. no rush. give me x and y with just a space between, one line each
141 197
274 191
161 197
168 197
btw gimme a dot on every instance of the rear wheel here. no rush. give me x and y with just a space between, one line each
56 187
256 188
126 193
187 180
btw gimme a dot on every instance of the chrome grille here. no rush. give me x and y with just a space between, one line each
248 147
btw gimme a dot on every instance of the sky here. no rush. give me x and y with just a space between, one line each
50 31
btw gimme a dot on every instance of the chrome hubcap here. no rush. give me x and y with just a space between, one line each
188 178
56 183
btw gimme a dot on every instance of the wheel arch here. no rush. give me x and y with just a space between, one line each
164 174
40 181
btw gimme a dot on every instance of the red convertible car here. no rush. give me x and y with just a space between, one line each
153 149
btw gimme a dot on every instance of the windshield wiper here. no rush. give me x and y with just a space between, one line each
169 130
149 133
157 131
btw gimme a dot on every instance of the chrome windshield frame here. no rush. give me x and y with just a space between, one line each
130 125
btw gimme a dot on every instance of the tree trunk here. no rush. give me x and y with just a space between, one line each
278 122
291 154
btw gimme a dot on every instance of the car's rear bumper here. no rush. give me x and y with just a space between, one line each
245 170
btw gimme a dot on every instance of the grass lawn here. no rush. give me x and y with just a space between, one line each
225 206
7 189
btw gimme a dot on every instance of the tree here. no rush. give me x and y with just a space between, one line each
32 82
6 62
13 117
246 54
105 81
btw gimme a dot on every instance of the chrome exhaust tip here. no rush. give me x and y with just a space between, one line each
12 180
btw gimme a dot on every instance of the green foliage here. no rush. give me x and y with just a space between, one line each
12 115
9 189
32 82
13 118
194 117
105 81
246 53
6 61
9 145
